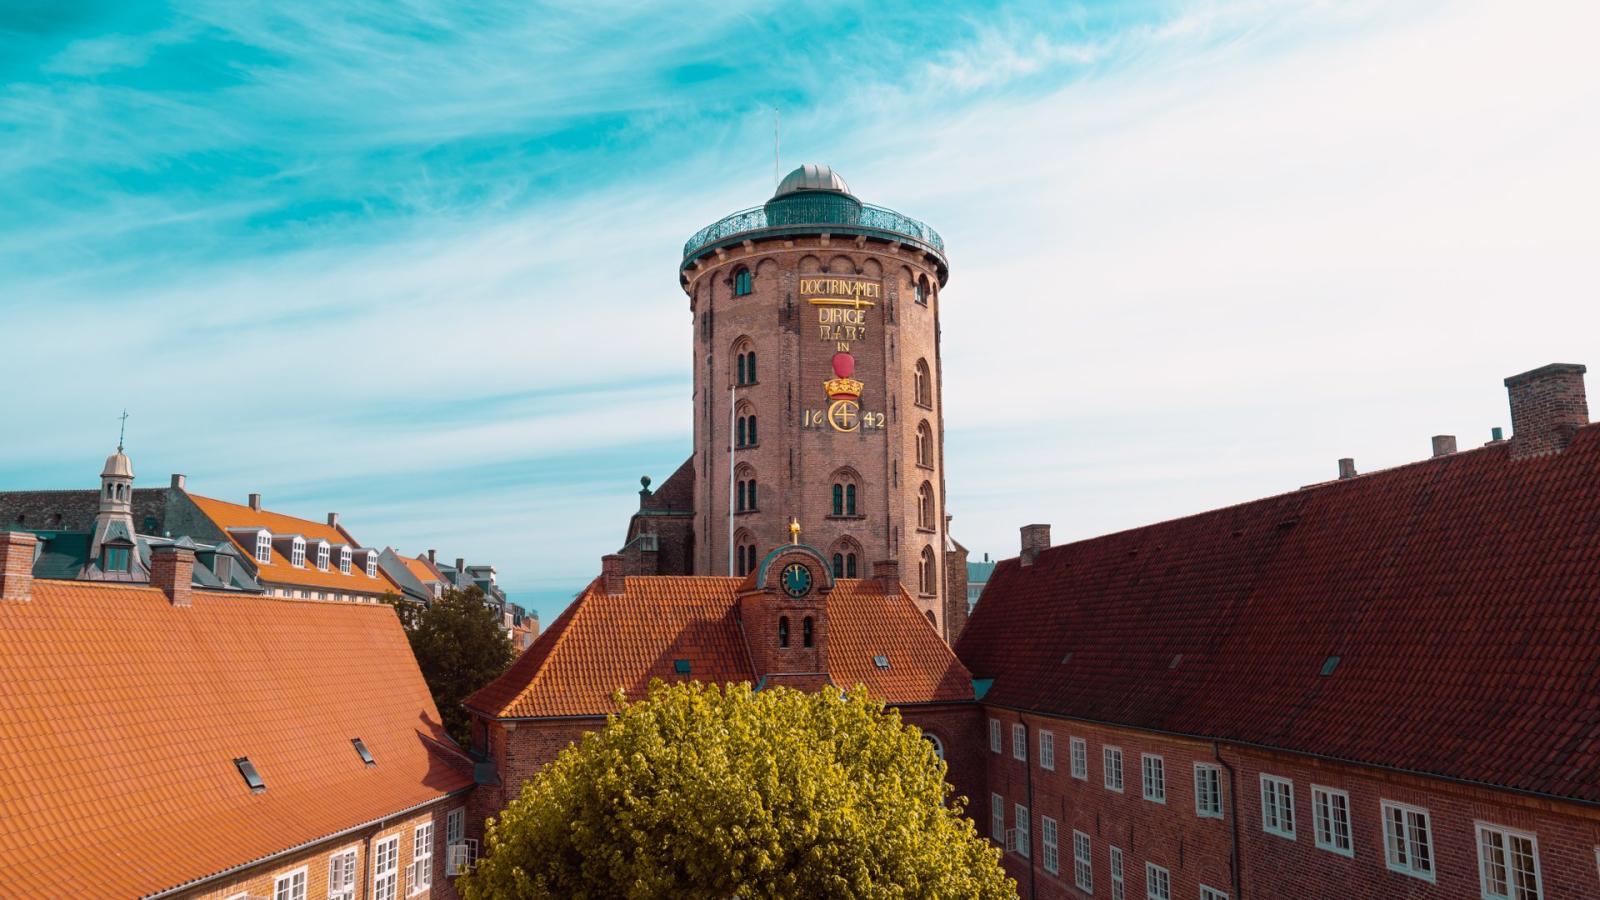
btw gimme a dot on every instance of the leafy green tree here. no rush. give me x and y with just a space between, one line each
700 791
404 607
460 645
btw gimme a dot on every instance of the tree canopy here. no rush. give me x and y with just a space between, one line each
700 791
460 645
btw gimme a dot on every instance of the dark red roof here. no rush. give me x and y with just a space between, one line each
605 642
1461 595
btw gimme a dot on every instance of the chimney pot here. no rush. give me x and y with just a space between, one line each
1444 444
432 559
16 565
613 582
1548 407
255 502
1035 540
179 482
1347 468
333 520
172 570
887 571
461 567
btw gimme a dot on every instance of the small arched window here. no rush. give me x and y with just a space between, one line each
783 631
744 362
750 364
924 444
938 745
745 434
807 632
922 290
744 554
750 494
927 513
845 491
926 578
750 558
923 384
743 283
931 620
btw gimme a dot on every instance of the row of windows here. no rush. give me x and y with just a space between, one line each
297 555
1508 860
344 866
846 495
1018 839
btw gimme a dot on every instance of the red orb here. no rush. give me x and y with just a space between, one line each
843 365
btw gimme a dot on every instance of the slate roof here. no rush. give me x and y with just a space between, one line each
279 571
602 642
118 777
1460 594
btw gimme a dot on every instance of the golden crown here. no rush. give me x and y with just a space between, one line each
843 388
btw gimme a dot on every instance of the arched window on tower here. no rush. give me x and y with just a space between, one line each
926 512
783 631
744 488
924 444
743 283
923 383
922 289
744 553
846 557
744 362
807 632
744 430
846 493
926 577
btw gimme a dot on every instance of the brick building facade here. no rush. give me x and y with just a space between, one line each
1379 686
818 396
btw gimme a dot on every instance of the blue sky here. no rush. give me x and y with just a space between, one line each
415 262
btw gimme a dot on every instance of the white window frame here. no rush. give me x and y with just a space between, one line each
345 557
1153 777
1207 788
1157 882
994 736
1277 806
1050 836
386 867
1500 837
1119 883
1111 758
997 818
1024 836
1082 861
264 547
372 565
1079 748
345 863
297 553
1047 750
278 885
1394 841
422 857
1208 892
1326 820
322 556
1019 741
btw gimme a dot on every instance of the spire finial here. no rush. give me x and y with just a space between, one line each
122 433
794 530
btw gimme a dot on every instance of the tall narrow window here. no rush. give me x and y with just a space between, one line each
1082 866
743 284
750 366
263 547
1157 882
838 565
1024 839
849 499
322 557
1052 851
750 492
997 818
783 631
741 369
926 511
1330 820
994 735
1119 886
754 438
927 579
923 383
849 565
386 868
739 432
342 875
344 560
1154 769
925 444
1113 765
422 858
1080 758
808 635
838 499
1019 741
920 290
1047 750
297 553
1277 806
1207 791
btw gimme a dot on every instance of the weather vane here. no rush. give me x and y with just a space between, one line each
122 433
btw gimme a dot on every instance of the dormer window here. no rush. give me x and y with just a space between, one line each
263 546
222 567
344 560
322 557
297 553
114 559
372 565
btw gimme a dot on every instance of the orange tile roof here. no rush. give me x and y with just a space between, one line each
422 570
603 642
118 777
280 571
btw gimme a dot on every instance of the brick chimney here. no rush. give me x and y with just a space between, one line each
16 565
887 571
1035 540
1444 444
172 570
611 574
333 520
178 481
1347 468
461 567
255 502
432 559
1548 407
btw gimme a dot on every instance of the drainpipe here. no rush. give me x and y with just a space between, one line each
364 865
1027 766
1233 821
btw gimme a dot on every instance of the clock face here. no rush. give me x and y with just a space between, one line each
796 580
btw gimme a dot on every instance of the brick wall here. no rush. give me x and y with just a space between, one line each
1196 850
260 880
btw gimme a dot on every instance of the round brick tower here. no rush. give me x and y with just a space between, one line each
817 387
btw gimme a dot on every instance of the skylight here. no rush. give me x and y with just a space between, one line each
881 662
681 666
361 748
1328 666
251 776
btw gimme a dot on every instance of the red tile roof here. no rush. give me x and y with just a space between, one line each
603 642
280 571
118 778
1461 595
